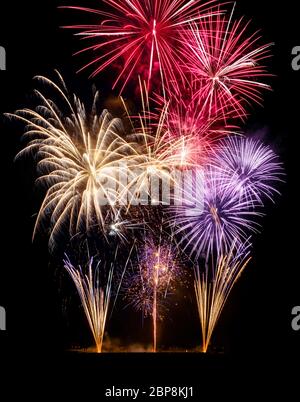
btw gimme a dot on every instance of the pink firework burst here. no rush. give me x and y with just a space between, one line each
190 120
189 124
226 63
141 37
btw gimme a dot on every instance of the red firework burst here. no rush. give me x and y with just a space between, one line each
190 124
141 37
225 63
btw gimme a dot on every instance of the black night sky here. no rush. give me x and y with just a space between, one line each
255 327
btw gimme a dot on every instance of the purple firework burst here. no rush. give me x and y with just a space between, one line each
152 277
248 169
215 224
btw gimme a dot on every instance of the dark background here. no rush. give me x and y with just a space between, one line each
255 329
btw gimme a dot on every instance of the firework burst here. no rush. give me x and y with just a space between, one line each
158 153
213 287
189 123
77 156
147 285
226 64
141 37
248 169
216 221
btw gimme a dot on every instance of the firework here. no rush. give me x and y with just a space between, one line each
248 169
226 64
94 297
147 285
117 226
77 158
213 287
151 162
158 153
216 221
141 37
197 71
189 124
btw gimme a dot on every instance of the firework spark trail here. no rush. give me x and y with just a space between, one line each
217 222
94 297
142 37
147 285
119 227
195 131
158 152
154 312
214 286
77 155
248 169
226 64
152 158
